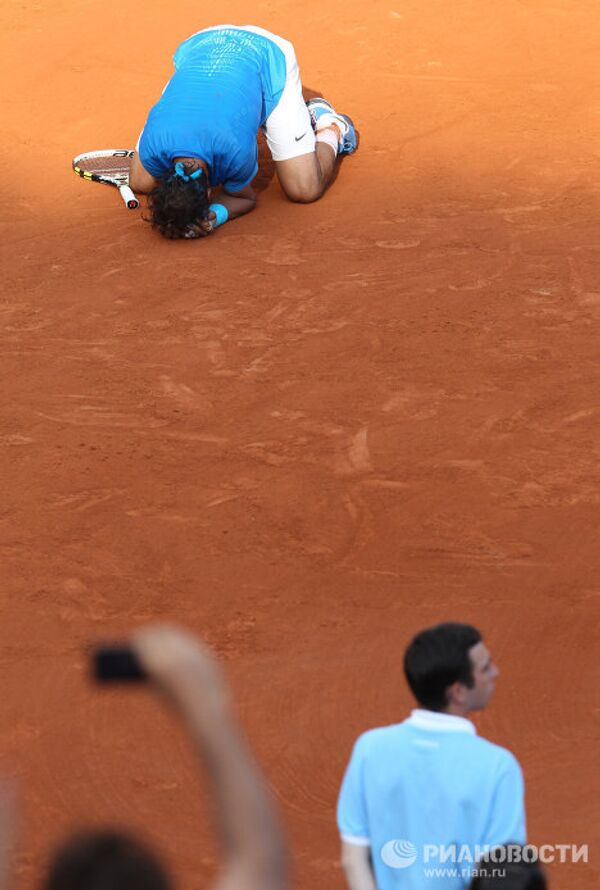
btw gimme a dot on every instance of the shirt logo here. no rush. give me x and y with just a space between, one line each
298 138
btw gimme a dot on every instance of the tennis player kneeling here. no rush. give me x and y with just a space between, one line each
228 82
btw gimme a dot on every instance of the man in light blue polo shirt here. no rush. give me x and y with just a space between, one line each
422 800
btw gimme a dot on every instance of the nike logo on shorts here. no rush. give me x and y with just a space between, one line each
298 138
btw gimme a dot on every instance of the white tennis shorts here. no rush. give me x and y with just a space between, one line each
288 129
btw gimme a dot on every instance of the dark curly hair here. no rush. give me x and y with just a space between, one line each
175 204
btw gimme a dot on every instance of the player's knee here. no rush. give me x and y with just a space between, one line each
304 193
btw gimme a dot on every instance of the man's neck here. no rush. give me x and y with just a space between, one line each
456 711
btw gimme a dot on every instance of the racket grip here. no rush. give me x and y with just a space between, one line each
131 202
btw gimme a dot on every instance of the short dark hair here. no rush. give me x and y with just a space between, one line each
493 873
105 860
438 657
175 204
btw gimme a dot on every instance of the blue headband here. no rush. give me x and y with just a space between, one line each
180 171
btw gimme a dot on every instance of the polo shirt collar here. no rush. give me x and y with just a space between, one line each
435 721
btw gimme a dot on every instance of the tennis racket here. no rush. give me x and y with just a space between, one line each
110 166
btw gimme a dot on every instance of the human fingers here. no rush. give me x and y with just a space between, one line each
169 654
197 231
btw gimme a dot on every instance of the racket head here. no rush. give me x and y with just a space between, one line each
109 165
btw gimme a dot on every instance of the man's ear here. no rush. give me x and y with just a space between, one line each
455 694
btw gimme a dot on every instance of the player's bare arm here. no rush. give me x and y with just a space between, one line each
140 180
238 203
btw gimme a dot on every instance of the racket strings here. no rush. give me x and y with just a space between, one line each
116 168
111 166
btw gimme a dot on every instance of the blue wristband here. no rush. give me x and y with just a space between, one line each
220 212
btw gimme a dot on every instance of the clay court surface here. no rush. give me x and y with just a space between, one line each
314 433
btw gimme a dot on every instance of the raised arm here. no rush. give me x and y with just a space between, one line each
250 837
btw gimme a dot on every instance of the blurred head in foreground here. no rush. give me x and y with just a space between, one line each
495 874
105 860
